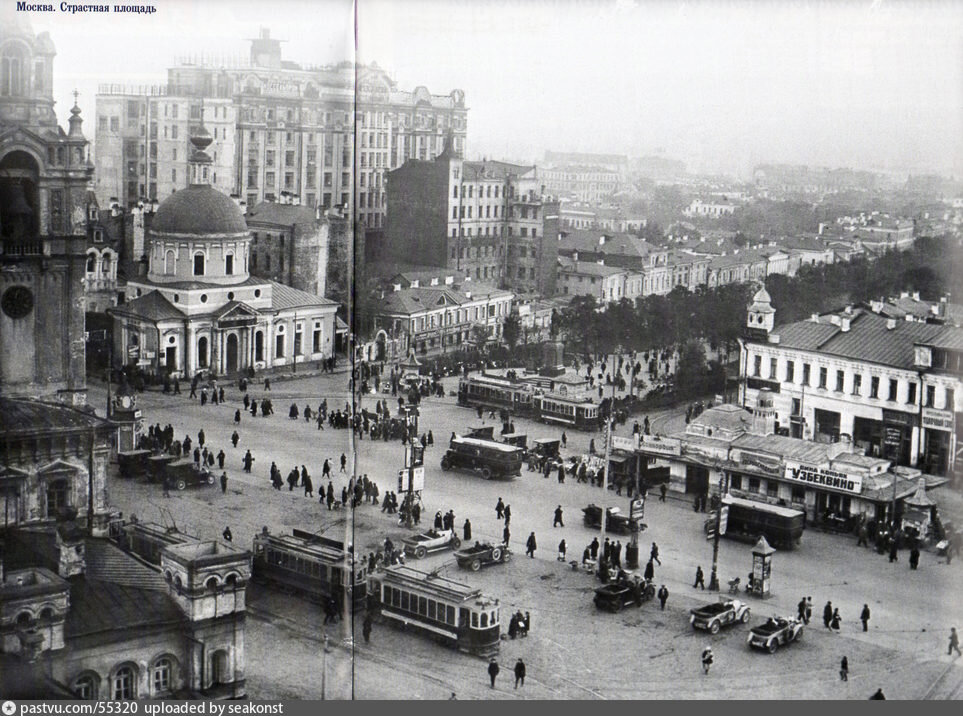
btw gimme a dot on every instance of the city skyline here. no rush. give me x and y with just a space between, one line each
723 87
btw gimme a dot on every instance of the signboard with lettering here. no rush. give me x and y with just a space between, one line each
898 417
763 463
627 444
660 446
938 419
824 477
637 509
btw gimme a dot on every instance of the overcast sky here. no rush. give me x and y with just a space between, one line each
721 85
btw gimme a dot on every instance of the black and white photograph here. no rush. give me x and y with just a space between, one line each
617 348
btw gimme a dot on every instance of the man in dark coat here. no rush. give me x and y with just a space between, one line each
594 547
530 546
467 531
828 614
914 558
506 535
649 571
699 578
558 517
508 515
499 509
223 483
519 673
493 670
248 461
220 459
864 617
234 438
663 596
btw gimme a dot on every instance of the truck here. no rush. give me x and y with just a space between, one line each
748 520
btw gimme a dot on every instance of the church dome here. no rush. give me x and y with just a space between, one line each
199 210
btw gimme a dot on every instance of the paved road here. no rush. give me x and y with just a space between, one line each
640 653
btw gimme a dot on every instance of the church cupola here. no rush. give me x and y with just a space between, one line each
200 161
761 316
75 121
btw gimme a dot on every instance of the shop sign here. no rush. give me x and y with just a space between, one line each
938 419
627 444
661 446
824 477
637 509
897 417
892 436
765 463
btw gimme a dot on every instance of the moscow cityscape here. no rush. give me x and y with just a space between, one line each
628 321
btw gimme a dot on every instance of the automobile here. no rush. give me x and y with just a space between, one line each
712 617
133 463
430 541
612 597
185 472
775 632
491 459
615 521
480 555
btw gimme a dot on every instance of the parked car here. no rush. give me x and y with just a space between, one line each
712 617
774 633
612 597
133 463
430 541
481 555
186 473
615 521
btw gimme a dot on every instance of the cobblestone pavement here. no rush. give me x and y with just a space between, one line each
573 651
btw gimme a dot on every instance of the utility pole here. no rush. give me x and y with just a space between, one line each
723 490
609 424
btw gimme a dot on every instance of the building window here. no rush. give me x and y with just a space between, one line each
56 496
893 389
123 683
162 675
757 366
85 687
840 380
806 372
259 346
950 398
736 482
798 494
874 387
857 384
316 342
911 394
279 347
790 371
772 488
773 363
229 264
753 484
931 396
198 264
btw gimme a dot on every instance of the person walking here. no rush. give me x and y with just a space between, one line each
828 614
493 670
893 550
562 548
344 462
864 617
237 417
499 509
519 672
506 534
706 659
654 554
662 491
663 595
248 461
914 558
306 482
530 546
594 547
221 457
234 438
699 578
844 669
809 609
226 534
649 573
200 437
466 530
267 384
223 483
954 643
558 517
834 622
508 515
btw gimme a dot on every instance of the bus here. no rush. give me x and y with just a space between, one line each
495 392
491 459
579 413
310 564
453 613
747 520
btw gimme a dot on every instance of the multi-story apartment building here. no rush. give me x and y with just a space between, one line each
482 219
325 134
891 387
606 284
584 183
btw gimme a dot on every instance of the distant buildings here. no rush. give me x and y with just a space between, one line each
325 134
583 183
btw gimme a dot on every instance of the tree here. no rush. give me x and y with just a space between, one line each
691 376
479 334
511 330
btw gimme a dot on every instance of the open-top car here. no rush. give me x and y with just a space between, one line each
612 597
430 541
480 555
775 632
712 617
615 521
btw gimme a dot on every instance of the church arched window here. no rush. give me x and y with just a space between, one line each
13 66
199 264
169 262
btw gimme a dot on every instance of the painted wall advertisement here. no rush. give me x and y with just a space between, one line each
934 419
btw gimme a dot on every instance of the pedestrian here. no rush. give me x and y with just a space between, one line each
223 483
562 548
834 622
530 546
654 554
306 482
228 537
594 547
493 670
827 614
508 515
699 578
234 438
954 643
809 609
893 551
662 490
558 517
237 417
221 457
220 394
267 384
344 462
914 558
519 672
801 610
366 628
506 535
649 573
864 617
878 696
467 530
200 437
844 669
326 469
499 509
564 439
248 461
706 659
167 486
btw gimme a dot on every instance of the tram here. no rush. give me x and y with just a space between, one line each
309 564
146 539
491 391
579 413
451 612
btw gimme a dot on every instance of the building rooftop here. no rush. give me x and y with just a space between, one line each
271 212
492 169
24 417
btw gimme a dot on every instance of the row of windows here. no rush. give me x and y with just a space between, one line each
122 683
502 395
770 489
316 569
439 611
855 384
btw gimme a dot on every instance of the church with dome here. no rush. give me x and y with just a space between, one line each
199 308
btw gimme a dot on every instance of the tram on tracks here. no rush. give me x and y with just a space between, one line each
453 613
579 413
309 564
146 539
527 400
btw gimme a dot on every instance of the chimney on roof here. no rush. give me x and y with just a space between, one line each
814 318
890 324
844 324
916 295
